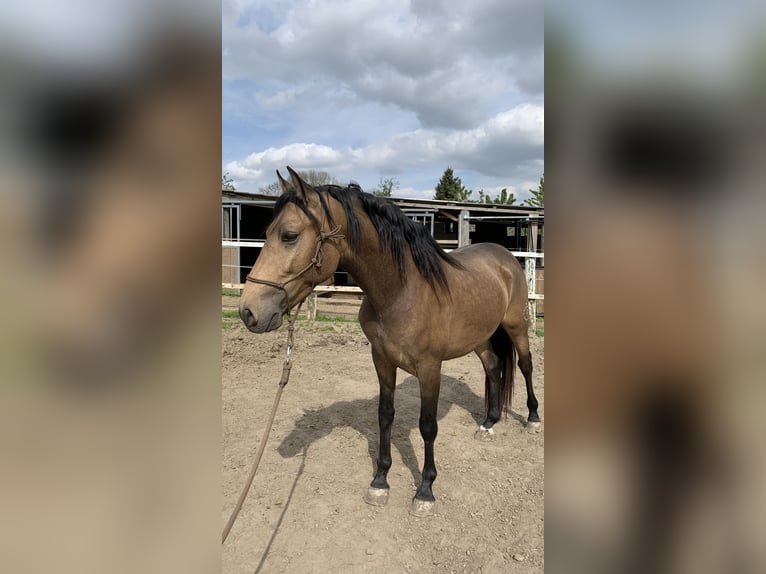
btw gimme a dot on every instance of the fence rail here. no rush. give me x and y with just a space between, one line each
529 269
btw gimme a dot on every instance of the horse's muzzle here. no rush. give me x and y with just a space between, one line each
258 324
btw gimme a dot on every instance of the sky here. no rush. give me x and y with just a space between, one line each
366 90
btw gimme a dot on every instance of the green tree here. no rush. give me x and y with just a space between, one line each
450 188
538 195
504 198
310 176
227 184
386 187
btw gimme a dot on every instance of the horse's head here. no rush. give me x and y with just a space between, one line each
299 253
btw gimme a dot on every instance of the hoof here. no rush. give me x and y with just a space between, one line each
422 507
484 435
534 427
376 496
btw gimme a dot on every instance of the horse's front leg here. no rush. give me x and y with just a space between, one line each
377 493
430 381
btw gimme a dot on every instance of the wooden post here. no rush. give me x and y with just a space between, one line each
532 246
529 266
311 306
533 229
463 229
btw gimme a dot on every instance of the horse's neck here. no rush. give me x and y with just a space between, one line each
374 269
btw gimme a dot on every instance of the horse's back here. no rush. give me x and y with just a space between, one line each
489 251
491 262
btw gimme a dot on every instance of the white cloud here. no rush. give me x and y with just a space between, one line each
259 167
438 64
366 89
511 137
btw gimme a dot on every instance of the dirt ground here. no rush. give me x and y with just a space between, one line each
305 511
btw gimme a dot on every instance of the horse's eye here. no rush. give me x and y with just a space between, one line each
289 236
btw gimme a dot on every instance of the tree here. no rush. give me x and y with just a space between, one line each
538 195
450 188
310 176
386 186
227 184
504 198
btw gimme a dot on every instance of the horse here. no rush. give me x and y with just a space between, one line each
422 305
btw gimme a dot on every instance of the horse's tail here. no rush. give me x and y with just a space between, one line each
506 352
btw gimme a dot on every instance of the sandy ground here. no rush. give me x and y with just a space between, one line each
305 511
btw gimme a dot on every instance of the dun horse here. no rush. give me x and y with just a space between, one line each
422 305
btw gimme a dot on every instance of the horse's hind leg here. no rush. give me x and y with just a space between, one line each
491 362
520 338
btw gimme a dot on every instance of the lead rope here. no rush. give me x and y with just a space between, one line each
282 384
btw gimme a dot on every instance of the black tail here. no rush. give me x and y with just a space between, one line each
503 347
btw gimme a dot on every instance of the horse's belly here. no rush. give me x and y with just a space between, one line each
462 343
450 331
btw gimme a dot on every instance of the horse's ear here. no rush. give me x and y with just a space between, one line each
282 183
304 189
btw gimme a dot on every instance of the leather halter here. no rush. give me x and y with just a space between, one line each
315 263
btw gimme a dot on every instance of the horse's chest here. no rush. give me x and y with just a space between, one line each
401 349
403 358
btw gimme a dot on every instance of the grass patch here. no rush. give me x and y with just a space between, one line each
230 320
326 319
234 314
540 333
231 292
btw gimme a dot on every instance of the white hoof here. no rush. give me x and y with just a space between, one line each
483 434
534 427
376 496
422 507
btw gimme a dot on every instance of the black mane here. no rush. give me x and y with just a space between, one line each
395 230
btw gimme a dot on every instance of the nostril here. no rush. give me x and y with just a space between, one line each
247 317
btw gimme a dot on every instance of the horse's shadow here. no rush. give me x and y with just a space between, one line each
362 416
